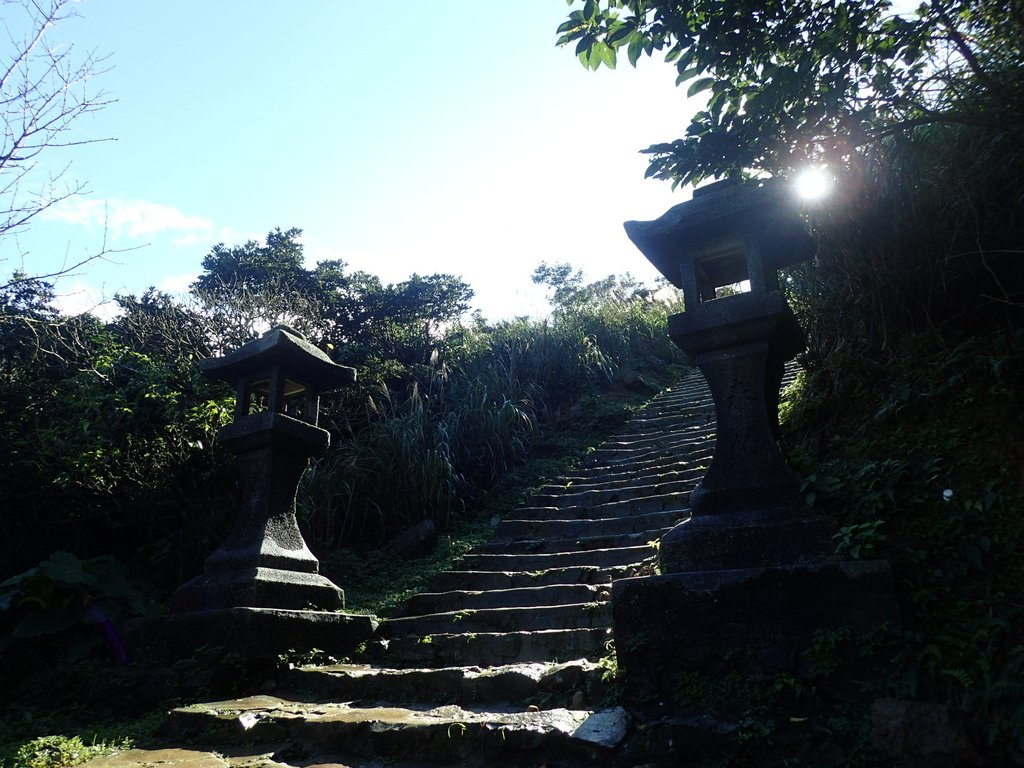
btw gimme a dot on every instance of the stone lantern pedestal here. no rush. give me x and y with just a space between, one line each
750 574
261 592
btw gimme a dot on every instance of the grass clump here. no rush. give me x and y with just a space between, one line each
62 752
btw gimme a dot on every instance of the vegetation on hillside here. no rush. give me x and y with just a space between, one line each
906 422
118 489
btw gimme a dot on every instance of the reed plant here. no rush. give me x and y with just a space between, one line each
433 446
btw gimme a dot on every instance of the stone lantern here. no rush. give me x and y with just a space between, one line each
733 233
265 562
261 592
748 579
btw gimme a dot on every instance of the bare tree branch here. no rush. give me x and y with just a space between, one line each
44 90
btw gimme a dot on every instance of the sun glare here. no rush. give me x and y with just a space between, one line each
814 183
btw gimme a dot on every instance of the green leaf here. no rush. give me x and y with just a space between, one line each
65 567
618 32
45 622
636 47
589 9
607 53
686 74
697 86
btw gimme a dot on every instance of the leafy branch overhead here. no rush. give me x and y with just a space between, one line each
792 81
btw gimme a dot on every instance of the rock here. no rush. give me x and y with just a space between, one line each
632 380
606 728
918 733
415 542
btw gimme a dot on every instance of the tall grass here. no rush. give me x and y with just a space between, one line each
431 449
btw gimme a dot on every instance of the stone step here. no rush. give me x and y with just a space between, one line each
639 484
496 648
449 733
650 438
669 428
590 497
670 448
447 581
511 619
695 402
571 546
578 681
677 446
538 562
568 527
519 597
650 468
674 504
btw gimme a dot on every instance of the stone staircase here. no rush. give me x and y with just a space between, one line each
500 662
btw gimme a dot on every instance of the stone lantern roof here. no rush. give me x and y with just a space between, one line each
729 232
280 348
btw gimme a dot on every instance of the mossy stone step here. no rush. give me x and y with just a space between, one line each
569 528
496 648
669 450
447 581
610 515
577 681
652 439
518 597
574 545
509 619
447 732
593 498
542 561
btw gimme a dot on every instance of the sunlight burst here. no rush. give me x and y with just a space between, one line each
814 183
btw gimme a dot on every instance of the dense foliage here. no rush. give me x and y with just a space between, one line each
107 430
115 488
916 113
913 307
793 81
923 466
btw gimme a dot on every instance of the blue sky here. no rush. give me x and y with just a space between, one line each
444 136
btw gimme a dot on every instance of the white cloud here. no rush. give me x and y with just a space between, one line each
81 297
208 238
178 283
134 218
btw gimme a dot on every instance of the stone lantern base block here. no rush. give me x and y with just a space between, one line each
745 539
762 619
259 588
252 633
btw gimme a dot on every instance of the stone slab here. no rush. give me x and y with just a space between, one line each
258 588
745 540
252 633
669 624
447 733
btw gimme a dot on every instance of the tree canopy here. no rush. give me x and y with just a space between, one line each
796 81
245 289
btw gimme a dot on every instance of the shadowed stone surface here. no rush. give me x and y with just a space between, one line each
679 622
251 632
744 540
